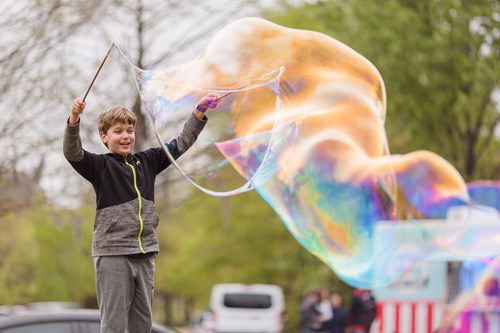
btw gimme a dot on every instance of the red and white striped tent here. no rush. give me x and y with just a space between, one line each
408 316
427 317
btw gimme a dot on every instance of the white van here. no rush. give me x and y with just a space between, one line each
246 308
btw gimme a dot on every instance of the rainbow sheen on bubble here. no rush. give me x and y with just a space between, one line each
475 309
302 122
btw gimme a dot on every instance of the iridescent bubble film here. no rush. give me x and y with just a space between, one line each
301 121
476 308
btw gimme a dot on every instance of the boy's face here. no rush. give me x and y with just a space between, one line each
120 138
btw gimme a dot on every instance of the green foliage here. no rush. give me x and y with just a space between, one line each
46 256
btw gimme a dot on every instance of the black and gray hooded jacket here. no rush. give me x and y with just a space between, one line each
126 217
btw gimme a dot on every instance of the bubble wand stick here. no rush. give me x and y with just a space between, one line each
229 93
98 70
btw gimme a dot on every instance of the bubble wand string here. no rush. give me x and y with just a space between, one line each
98 70
241 87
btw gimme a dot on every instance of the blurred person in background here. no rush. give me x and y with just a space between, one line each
338 321
311 316
324 306
362 312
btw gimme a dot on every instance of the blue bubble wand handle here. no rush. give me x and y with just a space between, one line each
98 70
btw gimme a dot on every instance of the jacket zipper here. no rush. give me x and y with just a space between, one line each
139 198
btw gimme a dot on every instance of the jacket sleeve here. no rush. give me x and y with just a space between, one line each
190 132
72 144
85 163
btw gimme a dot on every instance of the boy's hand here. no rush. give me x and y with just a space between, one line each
76 110
78 106
210 101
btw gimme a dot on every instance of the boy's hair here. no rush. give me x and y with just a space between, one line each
115 114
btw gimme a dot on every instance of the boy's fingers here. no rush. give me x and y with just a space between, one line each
78 108
212 97
210 101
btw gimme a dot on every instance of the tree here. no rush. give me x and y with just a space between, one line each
30 64
50 51
46 256
440 64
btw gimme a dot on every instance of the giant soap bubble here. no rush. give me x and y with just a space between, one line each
301 121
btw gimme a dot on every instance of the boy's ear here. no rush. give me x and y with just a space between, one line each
104 137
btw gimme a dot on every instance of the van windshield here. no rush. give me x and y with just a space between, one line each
247 301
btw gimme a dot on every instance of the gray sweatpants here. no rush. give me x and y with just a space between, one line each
125 293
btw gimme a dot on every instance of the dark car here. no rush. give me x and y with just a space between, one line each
67 321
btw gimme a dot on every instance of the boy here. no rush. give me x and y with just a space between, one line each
125 242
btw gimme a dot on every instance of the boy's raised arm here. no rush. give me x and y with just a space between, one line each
76 110
72 145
